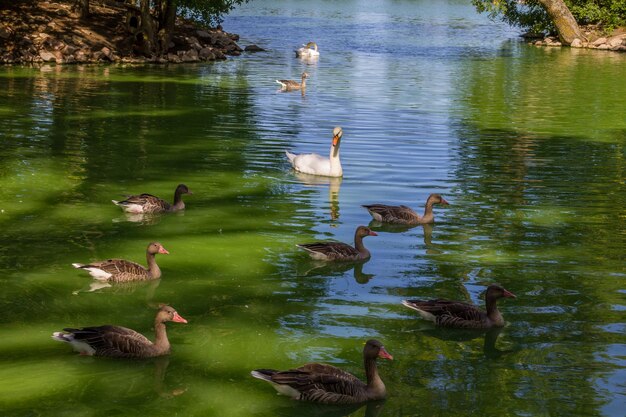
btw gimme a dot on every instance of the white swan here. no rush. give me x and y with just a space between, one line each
314 164
307 52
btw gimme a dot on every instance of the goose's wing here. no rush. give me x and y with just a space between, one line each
392 214
118 266
149 203
322 383
288 83
331 250
112 340
451 313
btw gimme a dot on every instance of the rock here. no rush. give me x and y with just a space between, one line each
4 32
96 56
599 41
206 54
253 48
27 56
69 50
556 43
621 48
614 41
106 51
190 56
47 56
80 56
539 43
173 58
69 59
604 46
203 34
576 43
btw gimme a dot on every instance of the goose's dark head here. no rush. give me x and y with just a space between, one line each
156 247
374 349
495 291
167 313
182 189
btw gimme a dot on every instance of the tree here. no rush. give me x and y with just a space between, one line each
566 25
83 8
562 16
158 18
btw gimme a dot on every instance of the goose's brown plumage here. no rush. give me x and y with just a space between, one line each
121 342
338 251
147 203
462 315
121 270
404 214
327 384
294 85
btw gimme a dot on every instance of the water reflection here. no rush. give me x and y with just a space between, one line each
144 219
160 387
431 249
322 268
490 337
147 287
334 184
370 409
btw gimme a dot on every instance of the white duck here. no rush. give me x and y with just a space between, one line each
314 164
308 51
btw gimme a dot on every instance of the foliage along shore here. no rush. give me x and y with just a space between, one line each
33 32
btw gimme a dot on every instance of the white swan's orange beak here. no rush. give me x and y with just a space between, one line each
336 140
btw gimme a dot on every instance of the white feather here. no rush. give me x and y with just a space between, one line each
376 216
425 314
81 347
282 389
97 273
129 208
315 255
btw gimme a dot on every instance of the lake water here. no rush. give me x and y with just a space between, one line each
527 144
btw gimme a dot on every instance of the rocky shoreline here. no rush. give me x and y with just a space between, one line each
51 32
595 40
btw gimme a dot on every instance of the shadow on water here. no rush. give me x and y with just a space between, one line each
490 337
321 268
371 409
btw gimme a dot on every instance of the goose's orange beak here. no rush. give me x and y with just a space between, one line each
508 294
163 251
178 319
384 354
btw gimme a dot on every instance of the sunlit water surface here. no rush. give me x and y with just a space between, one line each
527 145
